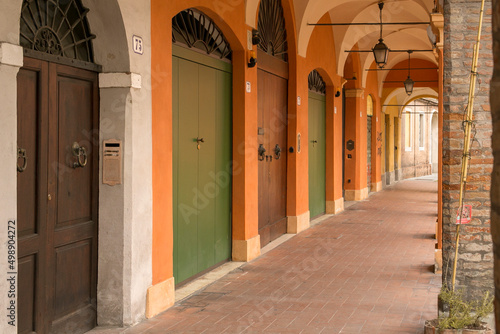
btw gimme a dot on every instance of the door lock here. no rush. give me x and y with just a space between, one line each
81 155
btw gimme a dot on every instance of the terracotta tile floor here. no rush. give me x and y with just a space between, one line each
366 270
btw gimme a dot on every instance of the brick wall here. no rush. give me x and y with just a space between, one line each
475 266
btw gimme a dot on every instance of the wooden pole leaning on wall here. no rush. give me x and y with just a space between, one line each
467 139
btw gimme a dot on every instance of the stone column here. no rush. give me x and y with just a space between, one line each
125 209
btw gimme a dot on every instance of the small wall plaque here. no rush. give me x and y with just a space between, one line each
138 44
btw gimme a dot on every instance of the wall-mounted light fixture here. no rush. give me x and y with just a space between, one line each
255 37
380 50
252 59
252 56
409 82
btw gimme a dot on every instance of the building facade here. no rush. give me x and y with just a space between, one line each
155 140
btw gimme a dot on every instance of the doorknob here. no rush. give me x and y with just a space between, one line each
21 154
81 154
262 152
277 151
314 142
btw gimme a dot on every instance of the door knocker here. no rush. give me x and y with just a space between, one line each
81 154
277 151
21 154
262 152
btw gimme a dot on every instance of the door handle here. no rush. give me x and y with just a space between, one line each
81 155
262 152
198 141
277 151
21 154
314 142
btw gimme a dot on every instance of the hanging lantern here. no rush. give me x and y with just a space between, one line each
409 82
409 86
380 50
380 53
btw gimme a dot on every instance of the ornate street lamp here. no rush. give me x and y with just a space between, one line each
380 50
409 82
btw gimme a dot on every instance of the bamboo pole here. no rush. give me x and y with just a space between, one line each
467 139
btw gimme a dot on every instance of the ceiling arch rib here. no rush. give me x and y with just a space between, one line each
315 9
367 36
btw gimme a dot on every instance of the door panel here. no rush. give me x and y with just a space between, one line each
58 247
186 171
207 115
74 118
202 174
317 154
32 85
272 106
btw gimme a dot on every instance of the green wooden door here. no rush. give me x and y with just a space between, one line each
317 154
201 163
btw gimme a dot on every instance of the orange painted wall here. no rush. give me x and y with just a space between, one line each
321 57
355 127
230 17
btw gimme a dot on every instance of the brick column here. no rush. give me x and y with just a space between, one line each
475 265
495 182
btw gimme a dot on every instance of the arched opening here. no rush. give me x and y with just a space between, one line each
435 142
202 149
272 82
317 144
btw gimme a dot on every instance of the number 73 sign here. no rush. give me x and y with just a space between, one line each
465 216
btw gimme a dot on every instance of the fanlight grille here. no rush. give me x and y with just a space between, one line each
272 29
196 30
57 27
316 83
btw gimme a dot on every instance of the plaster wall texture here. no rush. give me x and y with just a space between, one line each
8 184
125 210
475 260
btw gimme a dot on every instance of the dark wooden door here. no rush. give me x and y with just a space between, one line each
57 200
272 123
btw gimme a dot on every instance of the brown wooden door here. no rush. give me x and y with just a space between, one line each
272 122
57 203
